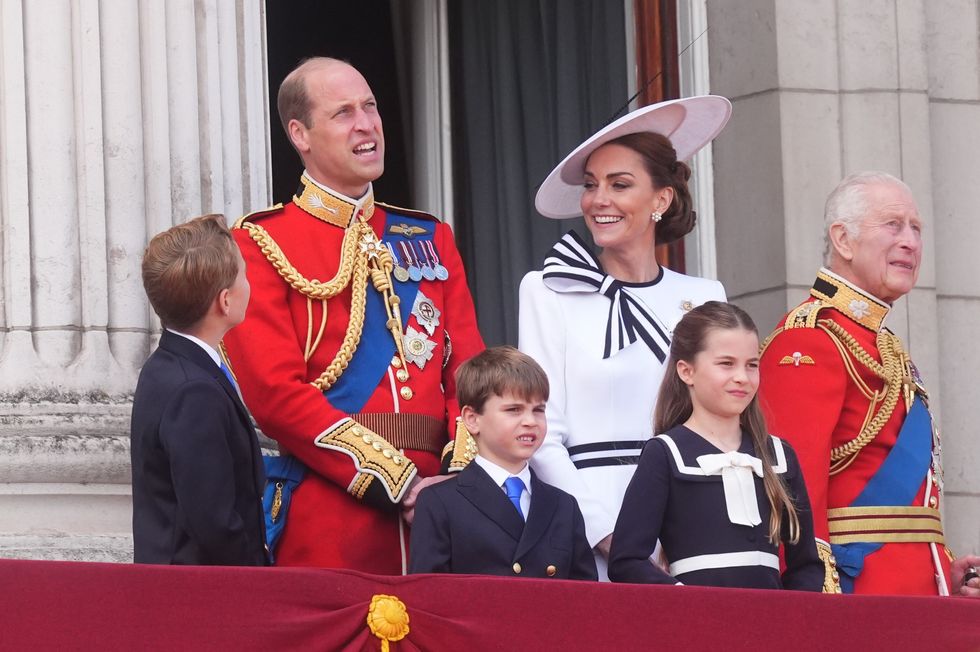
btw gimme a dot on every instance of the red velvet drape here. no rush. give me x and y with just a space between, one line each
87 606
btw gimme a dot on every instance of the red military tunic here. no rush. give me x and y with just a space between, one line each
817 390
345 514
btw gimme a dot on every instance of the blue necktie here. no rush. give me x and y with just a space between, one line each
227 372
514 487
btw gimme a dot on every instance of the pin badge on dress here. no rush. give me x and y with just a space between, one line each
426 313
418 347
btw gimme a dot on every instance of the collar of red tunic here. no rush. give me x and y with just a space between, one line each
863 307
331 206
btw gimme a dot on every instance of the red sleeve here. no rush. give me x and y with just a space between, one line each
802 404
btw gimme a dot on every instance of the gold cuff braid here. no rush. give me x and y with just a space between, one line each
831 580
373 456
463 447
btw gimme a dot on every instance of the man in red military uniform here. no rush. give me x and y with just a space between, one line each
842 390
360 316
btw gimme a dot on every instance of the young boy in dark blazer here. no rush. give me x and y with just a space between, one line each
495 517
197 468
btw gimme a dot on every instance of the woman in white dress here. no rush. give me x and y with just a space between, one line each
601 327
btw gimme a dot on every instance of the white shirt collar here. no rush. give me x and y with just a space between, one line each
498 474
201 343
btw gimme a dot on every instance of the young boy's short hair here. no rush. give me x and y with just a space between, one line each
185 267
497 371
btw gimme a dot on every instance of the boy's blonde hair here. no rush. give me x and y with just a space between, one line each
186 266
497 371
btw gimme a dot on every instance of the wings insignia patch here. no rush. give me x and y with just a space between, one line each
797 359
409 231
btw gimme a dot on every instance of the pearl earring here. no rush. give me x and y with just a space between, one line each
656 216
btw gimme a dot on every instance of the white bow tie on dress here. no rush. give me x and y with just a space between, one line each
736 471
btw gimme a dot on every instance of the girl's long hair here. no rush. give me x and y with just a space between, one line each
674 405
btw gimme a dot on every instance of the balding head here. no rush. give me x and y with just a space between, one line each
293 100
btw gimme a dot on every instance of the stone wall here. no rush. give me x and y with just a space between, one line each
820 90
118 119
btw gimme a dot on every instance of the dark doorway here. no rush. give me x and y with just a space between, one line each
361 33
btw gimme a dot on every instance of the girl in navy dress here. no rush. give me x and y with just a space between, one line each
715 488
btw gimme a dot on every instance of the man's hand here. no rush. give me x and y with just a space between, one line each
958 569
417 485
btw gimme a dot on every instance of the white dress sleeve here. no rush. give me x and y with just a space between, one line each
542 335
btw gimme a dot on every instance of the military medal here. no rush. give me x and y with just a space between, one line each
399 272
441 272
414 272
428 273
418 348
426 313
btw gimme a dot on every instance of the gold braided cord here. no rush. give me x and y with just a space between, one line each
892 371
323 327
361 257
313 289
358 302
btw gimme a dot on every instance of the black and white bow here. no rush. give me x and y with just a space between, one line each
570 267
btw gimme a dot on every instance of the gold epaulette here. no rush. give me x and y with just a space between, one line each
804 315
374 457
463 448
831 579
409 211
255 215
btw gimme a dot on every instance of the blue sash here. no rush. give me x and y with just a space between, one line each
374 353
896 483
283 473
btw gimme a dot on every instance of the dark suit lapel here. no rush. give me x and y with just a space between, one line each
544 502
191 351
478 488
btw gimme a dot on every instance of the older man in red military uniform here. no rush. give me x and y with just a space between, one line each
842 390
360 315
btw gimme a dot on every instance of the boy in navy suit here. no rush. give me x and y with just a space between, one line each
495 517
197 468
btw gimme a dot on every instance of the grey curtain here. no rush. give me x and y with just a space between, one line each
531 80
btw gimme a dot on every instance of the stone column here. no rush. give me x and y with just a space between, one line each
118 119
823 89
951 29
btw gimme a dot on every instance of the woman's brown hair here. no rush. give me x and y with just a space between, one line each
674 405
660 162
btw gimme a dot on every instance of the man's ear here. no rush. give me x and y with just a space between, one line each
471 419
686 372
841 240
297 133
222 302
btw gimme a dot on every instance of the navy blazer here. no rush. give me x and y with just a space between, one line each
468 525
197 467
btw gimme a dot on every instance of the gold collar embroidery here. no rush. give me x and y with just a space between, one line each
331 206
862 307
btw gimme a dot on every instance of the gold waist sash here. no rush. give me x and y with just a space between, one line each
885 525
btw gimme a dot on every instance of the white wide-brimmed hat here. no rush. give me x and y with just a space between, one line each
690 123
